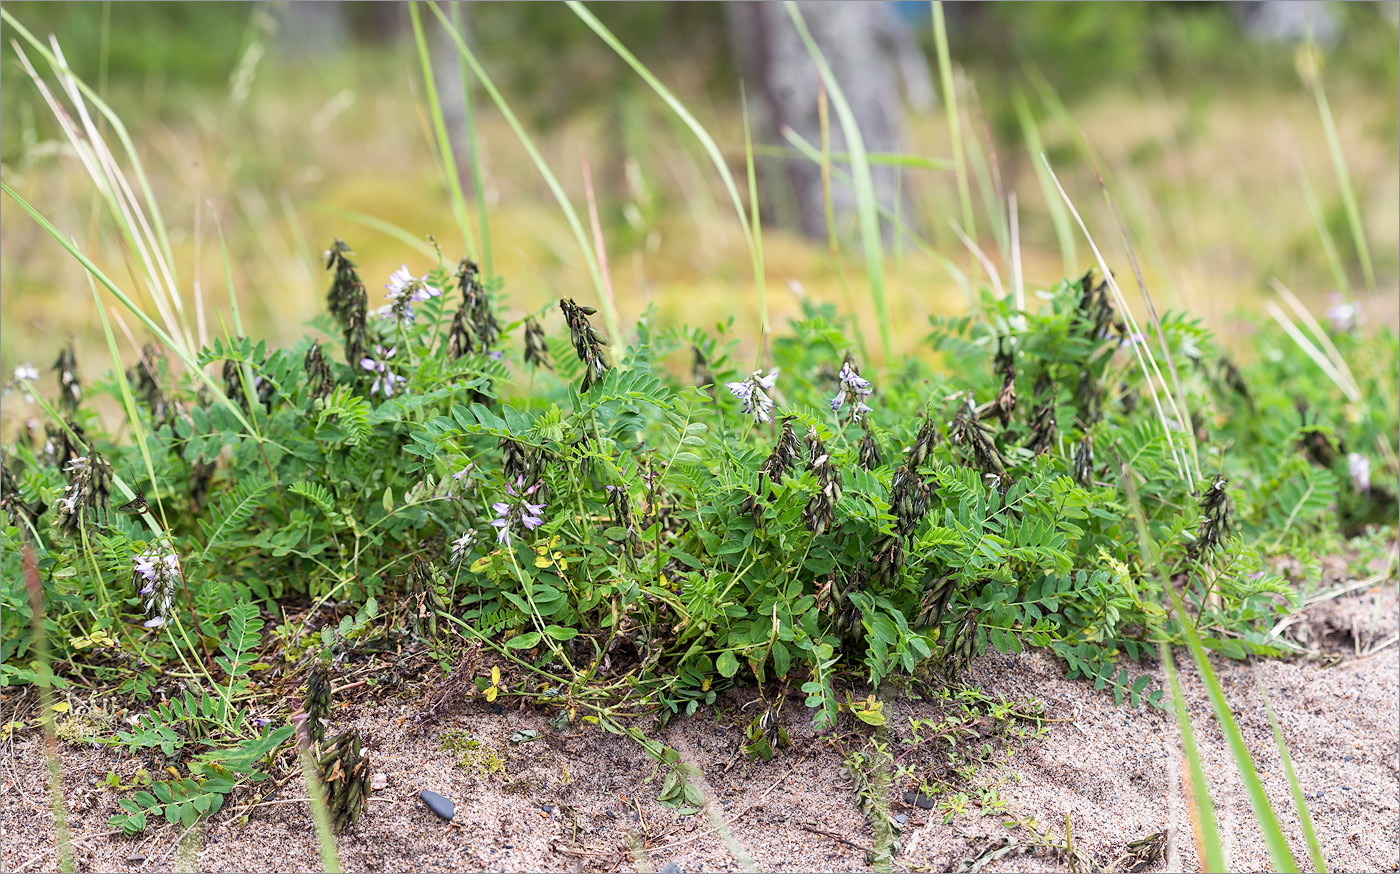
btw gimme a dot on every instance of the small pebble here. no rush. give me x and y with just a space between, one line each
918 799
136 859
377 782
671 868
443 807
901 819
497 708
547 808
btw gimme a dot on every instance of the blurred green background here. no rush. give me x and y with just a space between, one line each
268 121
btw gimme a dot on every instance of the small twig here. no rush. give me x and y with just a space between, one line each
833 835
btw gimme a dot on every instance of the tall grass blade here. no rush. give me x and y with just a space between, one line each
706 141
950 106
1059 217
170 342
444 139
40 648
862 185
1324 234
474 152
1319 862
1148 362
1339 166
567 207
1205 830
1264 815
760 280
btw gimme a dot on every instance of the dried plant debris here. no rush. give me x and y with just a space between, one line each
344 772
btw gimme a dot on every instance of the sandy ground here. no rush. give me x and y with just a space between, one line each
585 801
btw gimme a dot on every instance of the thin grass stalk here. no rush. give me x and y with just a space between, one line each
133 221
756 221
474 153
109 191
982 259
1324 234
829 214
1147 362
1059 217
158 223
374 223
330 855
812 154
1176 389
950 107
40 647
1339 166
570 214
1300 802
706 141
1333 354
876 159
169 341
862 186
1210 850
444 139
1265 818
1018 286
128 400
601 249
1312 351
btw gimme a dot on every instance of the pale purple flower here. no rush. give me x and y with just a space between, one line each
519 509
753 393
462 544
385 379
1359 467
404 291
854 386
1133 339
610 489
26 371
159 571
1342 313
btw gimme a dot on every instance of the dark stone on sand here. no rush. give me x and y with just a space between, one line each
547 808
671 868
443 807
918 799
497 708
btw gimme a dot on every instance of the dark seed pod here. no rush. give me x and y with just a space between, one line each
774 468
61 447
1005 403
938 590
961 645
474 327
318 703
868 453
88 485
145 384
70 390
924 441
22 515
1088 397
1044 429
519 462
588 343
318 372
427 595
536 352
345 781
821 508
909 498
889 559
1084 460
1215 521
347 302
976 439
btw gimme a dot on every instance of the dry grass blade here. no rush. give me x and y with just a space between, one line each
1147 362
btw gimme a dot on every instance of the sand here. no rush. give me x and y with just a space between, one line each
583 800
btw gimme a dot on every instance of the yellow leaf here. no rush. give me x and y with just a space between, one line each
554 541
543 561
491 693
61 707
480 564
496 676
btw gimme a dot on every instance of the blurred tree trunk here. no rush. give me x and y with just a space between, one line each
865 47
